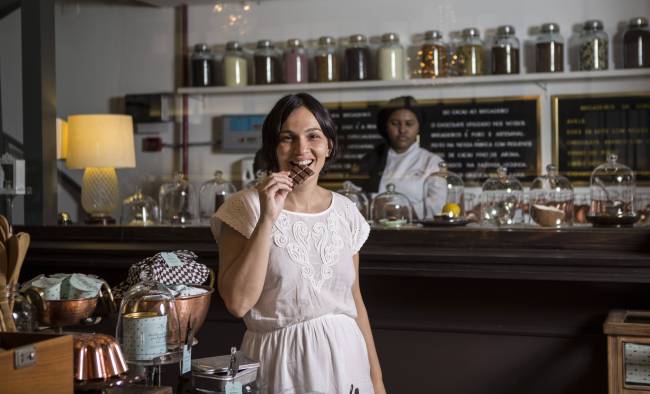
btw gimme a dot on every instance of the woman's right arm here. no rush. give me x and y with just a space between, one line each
243 262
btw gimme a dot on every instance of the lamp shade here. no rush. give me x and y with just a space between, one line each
100 141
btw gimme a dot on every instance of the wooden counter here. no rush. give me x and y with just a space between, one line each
454 310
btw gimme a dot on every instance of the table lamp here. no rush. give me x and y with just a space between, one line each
99 144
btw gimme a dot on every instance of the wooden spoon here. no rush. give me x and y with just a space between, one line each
3 265
3 235
23 245
6 227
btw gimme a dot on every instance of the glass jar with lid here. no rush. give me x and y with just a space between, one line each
148 328
296 62
267 65
139 210
357 58
505 51
444 195
235 67
593 46
549 49
17 314
501 199
177 201
212 194
327 63
470 53
203 66
636 44
433 55
612 194
390 58
356 195
391 208
551 199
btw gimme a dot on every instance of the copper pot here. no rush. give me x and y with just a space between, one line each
97 356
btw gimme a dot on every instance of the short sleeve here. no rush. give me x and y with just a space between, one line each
241 211
359 228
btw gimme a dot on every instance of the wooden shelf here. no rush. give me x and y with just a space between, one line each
534 78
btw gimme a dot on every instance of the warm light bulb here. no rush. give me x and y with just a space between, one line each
246 7
218 7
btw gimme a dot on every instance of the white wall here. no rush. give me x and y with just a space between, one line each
105 51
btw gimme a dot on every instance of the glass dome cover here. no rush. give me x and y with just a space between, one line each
356 195
501 197
148 326
177 201
551 199
391 209
139 209
444 195
212 194
612 188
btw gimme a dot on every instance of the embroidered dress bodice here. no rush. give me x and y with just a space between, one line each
310 271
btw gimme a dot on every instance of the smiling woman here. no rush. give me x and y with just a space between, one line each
289 263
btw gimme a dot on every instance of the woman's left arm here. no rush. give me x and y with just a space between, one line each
364 326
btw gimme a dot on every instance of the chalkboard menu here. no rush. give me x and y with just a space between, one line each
473 136
588 128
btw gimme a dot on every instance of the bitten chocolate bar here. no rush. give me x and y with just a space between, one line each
299 173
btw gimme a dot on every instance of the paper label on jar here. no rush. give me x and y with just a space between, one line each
187 359
233 388
171 259
144 335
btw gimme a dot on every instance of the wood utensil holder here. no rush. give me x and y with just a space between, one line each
628 351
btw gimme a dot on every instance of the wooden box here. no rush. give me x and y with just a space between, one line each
50 370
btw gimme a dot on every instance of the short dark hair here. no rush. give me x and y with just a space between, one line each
395 104
279 114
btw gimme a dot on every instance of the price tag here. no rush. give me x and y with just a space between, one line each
171 259
187 359
233 388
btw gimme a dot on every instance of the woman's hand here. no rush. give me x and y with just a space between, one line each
273 191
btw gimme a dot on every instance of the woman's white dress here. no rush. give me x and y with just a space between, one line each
303 329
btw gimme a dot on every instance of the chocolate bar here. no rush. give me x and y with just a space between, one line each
300 173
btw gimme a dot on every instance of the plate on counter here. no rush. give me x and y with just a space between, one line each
444 221
612 221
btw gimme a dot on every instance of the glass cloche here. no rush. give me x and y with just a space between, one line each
444 196
212 194
148 327
139 210
356 195
178 202
612 194
501 198
551 199
391 209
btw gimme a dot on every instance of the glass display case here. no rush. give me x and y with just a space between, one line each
178 201
612 194
139 209
444 196
391 209
356 195
551 199
501 199
212 194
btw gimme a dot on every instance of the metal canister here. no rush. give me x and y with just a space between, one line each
145 335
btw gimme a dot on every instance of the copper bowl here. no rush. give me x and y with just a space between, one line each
97 356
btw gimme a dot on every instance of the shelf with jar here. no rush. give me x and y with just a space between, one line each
486 80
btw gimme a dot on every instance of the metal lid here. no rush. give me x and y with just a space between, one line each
261 44
233 46
471 32
357 39
550 28
326 41
593 24
389 37
639 21
201 47
432 35
505 30
294 43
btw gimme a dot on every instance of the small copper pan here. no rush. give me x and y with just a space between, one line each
97 356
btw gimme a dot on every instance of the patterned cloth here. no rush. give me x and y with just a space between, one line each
156 268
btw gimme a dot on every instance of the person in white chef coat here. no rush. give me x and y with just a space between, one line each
400 160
